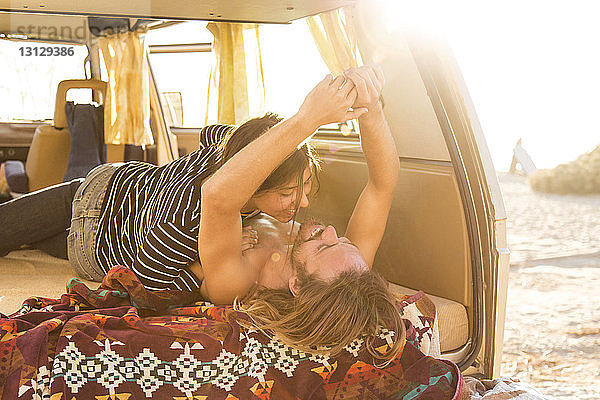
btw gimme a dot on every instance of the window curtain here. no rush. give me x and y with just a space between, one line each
335 36
127 103
236 90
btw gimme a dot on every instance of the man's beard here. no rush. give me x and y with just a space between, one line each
306 226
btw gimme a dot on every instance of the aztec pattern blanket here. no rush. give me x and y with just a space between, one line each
122 341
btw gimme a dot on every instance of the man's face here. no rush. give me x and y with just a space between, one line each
323 253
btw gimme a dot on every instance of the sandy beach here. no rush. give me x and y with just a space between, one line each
552 331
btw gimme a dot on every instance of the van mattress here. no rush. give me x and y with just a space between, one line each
453 322
27 273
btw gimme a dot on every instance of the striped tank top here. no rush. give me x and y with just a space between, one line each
151 216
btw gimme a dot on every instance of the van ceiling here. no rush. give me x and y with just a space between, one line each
274 11
45 26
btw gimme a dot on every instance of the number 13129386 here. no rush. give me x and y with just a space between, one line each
47 51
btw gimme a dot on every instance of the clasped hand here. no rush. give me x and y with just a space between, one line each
348 96
368 82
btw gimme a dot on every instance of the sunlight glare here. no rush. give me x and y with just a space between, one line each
530 67
432 16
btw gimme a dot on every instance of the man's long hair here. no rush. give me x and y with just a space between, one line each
324 317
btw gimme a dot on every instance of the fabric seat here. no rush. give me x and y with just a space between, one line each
48 276
86 128
48 155
453 321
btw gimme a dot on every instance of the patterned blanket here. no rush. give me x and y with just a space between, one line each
122 341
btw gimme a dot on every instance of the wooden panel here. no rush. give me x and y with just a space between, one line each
15 139
17 134
425 245
188 139
276 11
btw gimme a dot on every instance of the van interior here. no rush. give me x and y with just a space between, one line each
446 230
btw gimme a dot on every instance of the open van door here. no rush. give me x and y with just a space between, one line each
446 234
484 212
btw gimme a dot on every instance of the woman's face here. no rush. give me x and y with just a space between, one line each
281 203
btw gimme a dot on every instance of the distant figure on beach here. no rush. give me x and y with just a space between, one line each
521 157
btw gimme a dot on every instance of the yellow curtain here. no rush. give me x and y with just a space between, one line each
237 86
127 106
335 37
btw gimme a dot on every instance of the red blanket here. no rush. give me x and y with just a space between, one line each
122 341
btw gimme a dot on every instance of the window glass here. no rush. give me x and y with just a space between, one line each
28 83
185 32
188 74
292 66
182 76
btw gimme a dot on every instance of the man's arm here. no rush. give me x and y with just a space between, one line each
368 220
227 191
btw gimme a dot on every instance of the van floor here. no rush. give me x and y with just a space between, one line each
27 273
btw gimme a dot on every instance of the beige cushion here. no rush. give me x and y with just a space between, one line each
452 318
48 157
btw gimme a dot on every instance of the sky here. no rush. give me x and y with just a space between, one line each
532 69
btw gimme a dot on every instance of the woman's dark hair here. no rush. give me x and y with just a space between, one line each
292 167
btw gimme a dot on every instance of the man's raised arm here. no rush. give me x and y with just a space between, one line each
368 220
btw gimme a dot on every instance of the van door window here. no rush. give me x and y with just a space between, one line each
293 66
181 57
30 75
181 60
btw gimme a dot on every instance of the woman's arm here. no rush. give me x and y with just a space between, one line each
368 220
227 191
240 177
